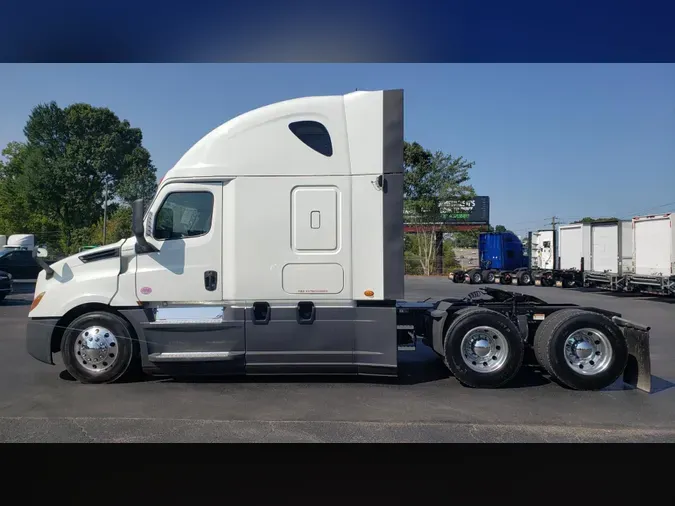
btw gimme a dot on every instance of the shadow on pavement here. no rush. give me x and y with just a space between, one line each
412 373
658 385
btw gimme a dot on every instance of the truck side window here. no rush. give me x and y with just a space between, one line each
184 214
314 135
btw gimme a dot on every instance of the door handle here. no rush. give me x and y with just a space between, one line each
210 280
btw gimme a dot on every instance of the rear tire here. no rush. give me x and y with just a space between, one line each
2 296
99 348
488 276
483 348
475 277
525 278
581 349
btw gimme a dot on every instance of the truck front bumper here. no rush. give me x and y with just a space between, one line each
39 338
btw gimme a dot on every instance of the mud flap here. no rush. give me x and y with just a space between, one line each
638 372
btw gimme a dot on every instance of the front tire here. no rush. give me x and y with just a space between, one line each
99 348
475 277
483 348
581 349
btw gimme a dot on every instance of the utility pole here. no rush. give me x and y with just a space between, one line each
105 207
554 247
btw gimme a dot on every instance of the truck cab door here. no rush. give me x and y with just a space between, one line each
192 331
184 224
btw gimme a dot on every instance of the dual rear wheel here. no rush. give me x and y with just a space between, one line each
579 349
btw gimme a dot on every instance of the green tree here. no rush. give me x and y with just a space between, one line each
588 219
118 226
500 229
16 215
466 239
58 175
434 183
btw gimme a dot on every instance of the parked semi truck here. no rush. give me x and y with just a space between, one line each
504 259
275 246
500 258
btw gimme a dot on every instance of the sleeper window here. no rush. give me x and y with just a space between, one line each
314 135
184 214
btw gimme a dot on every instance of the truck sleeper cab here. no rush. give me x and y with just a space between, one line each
275 246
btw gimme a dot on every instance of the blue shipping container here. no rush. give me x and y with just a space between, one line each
502 251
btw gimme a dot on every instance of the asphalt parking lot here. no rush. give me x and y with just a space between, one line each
39 403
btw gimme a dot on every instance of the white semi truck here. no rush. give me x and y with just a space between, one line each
275 246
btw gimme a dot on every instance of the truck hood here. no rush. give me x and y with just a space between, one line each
87 277
77 260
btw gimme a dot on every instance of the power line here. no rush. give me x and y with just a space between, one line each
570 219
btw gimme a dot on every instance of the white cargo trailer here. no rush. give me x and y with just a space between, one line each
542 253
574 246
611 254
571 247
653 254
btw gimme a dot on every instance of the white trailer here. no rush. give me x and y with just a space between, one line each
275 246
542 253
570 251
611 255
574 246
653 254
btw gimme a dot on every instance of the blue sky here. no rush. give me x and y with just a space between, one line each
565 140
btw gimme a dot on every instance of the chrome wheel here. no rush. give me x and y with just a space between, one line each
526 279
588 351
96 349
484 349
